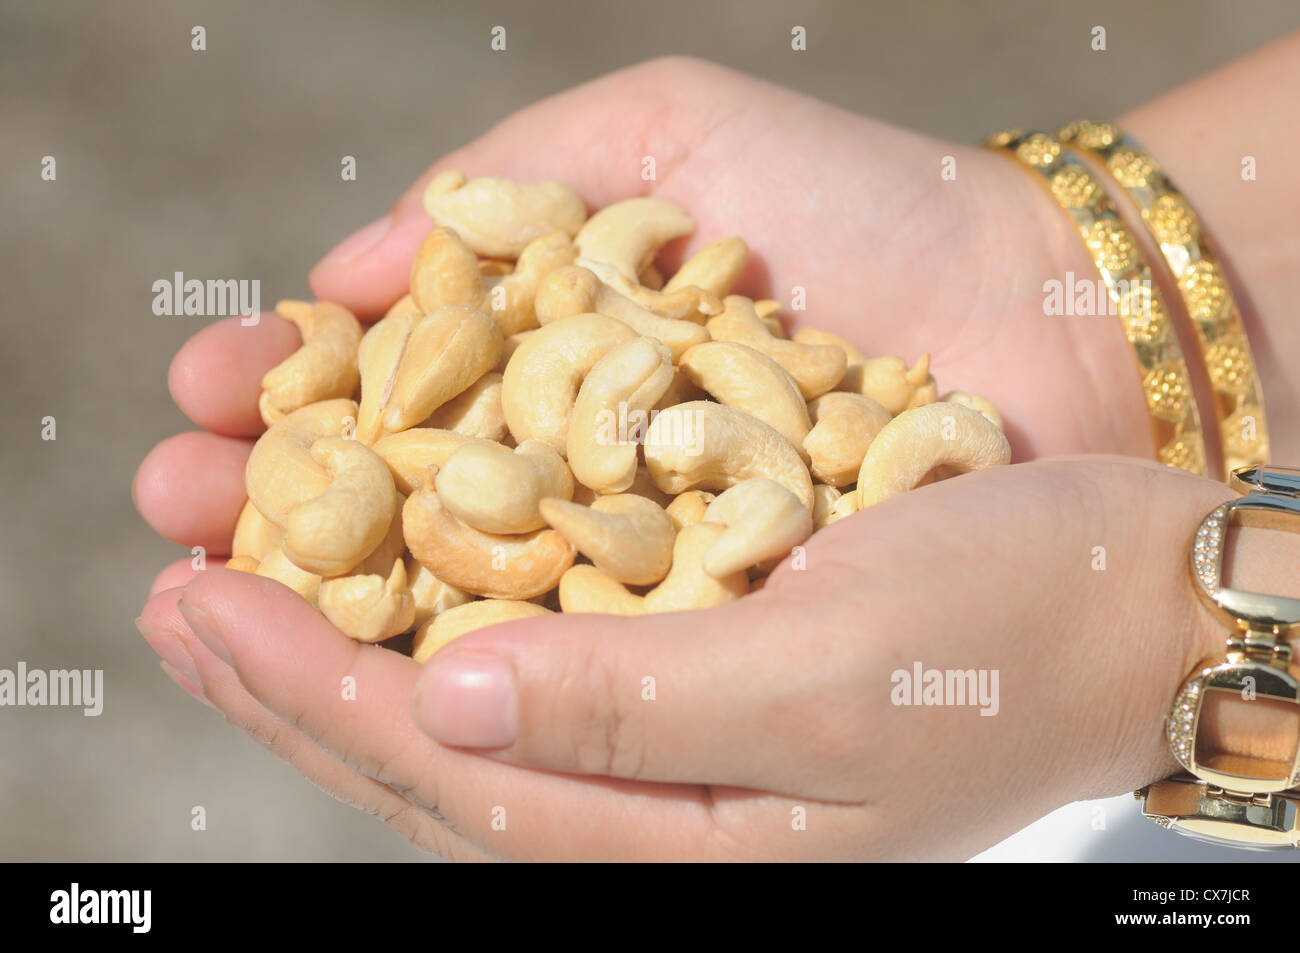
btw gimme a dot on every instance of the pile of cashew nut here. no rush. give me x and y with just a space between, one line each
547 424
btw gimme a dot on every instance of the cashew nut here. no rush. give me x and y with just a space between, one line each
611 413
542 379
430 594
703 445
715 267
891 383
243 564
689 508
852 355
369 608
446 352
496 490
475 412
485 564
975 402
446 274
512 298
816 368
332 532
377 356
470 617
764 520
497 218
255 535
844 426
626 536
627 234
917 441
751 382
281 472
277 566
411 453
686 304
824 500
325 367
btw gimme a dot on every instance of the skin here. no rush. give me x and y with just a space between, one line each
544 718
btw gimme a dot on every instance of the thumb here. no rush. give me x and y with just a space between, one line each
678 697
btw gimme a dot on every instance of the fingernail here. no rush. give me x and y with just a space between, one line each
206 629
468 701
190 686
170 649
359 242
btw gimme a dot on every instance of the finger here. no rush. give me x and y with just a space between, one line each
190 489
177 574
216 376
197 671
295 663
608 126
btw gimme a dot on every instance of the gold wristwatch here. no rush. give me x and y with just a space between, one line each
1237 800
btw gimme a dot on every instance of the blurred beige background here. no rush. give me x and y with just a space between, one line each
226 163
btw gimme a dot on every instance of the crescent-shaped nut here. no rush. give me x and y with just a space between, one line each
977 403
446 352
431 595
611 413
512 299
625 536
485 564
824 500
496 490
325 367
277 566
411 453
475 412
891 383
917 441
542 379
334 531
845 424
689 508
369 607
852 354
685 304
575 290
470 617
846 505
445 274
378 354
680 391
763 520
816 368
627 234
715 267
687 585
498 218
255 535
242 564
752 383
281 472
590 590
703 445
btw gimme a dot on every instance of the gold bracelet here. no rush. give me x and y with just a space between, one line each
1175 421
1202 284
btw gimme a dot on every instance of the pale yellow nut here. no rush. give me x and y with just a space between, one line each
448 180
370 607
625 536
499 217
392 547
323 368
575 290
768 307
627 234
281 472
687 509
511 300
404 306
255 535
242 564
447 351
496 490
715 267
890 382
685 304
824 500
508 348
852 354
611 413
485 564
429 593
470 617
687 585
542 379
642 485
445 274
816 368
411 453
975 402
844 426
278 566
751 382
763 521
680 391
380 351
917 441
708 446
334 531
475 412
846 505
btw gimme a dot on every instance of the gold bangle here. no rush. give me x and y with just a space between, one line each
1175 421
1174 225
